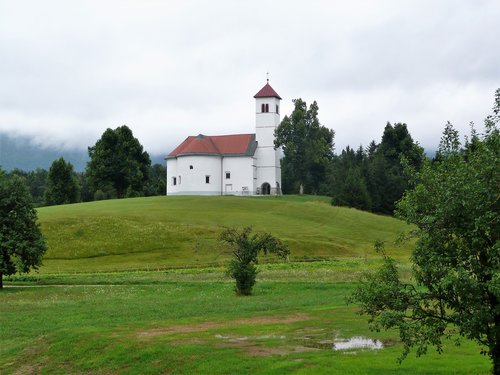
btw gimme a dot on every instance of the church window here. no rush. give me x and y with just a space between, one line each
263 107
267 107
174 180
277 109
179 180
228 175
190 167
207 179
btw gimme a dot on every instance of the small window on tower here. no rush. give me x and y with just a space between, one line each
174 181
277 109
190 167
179 180
228 175
207 179
263 107
267 107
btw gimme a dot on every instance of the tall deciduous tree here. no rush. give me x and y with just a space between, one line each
118 165
454 203
62 184
307 147
21 242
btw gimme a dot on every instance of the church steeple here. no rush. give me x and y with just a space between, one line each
267 119
267 92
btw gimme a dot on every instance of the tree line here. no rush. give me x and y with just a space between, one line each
118 168
370 178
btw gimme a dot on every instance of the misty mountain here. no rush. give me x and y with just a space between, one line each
22 153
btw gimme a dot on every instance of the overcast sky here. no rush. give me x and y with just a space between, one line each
169 69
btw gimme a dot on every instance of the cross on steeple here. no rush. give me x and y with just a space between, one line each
267 77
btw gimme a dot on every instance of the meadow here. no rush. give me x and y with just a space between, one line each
138 286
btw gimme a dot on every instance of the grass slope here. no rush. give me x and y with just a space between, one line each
161 232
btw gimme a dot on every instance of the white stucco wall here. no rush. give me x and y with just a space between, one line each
192 181
242 171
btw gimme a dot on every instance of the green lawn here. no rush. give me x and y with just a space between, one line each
163 322
138 286
162 232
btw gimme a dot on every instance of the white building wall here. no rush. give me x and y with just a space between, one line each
190 173
241 181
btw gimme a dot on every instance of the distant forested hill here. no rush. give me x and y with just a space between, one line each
21 153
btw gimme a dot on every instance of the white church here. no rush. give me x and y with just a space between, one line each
236 164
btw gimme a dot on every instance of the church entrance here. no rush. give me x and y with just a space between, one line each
265 189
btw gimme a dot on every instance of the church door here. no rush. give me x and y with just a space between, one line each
265 189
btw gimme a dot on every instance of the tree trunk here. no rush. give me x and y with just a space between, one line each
495 350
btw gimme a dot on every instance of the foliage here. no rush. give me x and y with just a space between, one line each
454 203
62 184
374 179
21 242
36 181
156 184
118 165
307 147
347 180
386 180
245 248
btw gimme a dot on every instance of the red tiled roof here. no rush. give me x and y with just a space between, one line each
267 92
223 145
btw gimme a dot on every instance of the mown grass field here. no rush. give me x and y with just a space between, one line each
76 317
162 232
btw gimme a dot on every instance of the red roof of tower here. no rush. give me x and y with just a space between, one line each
267 92
220 145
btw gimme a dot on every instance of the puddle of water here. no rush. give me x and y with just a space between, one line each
357 343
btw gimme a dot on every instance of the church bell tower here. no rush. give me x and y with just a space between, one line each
267 119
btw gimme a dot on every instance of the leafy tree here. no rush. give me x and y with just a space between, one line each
62 184
307 147
118 165
454 203
245 247
21 242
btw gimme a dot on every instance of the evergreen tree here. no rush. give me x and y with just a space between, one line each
156 184
386 180
62 184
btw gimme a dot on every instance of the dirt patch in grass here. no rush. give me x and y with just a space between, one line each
33 355
253 349
205 326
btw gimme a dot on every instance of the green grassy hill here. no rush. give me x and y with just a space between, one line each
160 232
